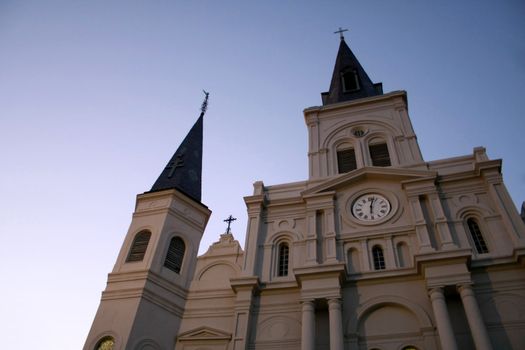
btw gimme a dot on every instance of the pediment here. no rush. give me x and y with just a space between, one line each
204 333
365 173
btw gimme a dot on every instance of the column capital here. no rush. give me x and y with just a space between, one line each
334 302
436 293
308 305
465 288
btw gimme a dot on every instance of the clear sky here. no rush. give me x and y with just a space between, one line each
95 96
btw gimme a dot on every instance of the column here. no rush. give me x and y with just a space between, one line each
336 324
444 327
308 326
474 318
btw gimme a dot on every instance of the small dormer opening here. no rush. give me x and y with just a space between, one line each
350 81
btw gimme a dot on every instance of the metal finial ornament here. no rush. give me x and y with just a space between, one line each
204 105
229 221
340 31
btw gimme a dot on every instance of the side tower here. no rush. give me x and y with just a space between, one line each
146 292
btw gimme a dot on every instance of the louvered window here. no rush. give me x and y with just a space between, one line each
379 154
175 254
477 237
284 253
379 259
139 246
346 160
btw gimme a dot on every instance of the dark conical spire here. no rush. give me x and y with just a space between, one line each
184 170
349 79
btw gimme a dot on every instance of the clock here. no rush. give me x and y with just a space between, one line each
371 207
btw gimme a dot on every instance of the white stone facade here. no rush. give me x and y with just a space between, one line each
441 268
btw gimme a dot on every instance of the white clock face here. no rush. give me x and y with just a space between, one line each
371 207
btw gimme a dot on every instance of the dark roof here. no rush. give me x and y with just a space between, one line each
347 62
184 170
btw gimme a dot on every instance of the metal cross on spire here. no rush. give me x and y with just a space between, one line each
229 221
204 105
341 31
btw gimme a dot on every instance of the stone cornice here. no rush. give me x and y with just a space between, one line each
366 172
362 102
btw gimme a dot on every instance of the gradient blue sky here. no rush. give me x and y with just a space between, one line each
96 95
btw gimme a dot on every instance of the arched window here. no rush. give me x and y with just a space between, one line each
477 237
346 160
284 257
402 254
139 246
379 153
175 254
379 259
106 343
354 264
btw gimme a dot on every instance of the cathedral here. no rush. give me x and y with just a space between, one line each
376 249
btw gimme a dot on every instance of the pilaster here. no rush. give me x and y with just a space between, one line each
245 288
255 205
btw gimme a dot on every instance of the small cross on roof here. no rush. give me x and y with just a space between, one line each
229 221
341 31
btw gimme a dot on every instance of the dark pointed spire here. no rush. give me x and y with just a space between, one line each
349 79
184 170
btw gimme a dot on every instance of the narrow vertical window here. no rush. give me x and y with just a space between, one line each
379 154
477 237
139 246
346 160
379 259
284 253
175 254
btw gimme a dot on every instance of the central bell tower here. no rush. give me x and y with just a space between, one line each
358 126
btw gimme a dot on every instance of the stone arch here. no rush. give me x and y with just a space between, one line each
147 344
376 303
333 136
278 328
278 236
471 211
226 268
503 307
